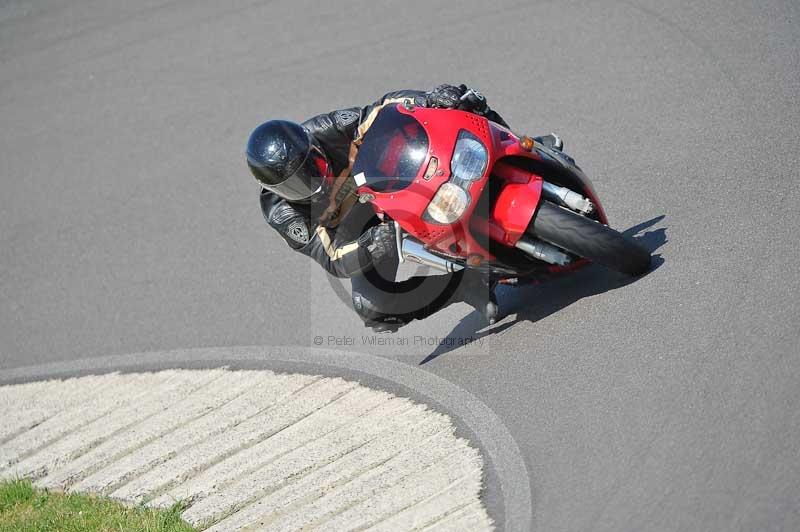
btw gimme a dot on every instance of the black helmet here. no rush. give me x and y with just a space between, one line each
286 160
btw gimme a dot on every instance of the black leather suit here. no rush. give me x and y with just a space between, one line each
334 244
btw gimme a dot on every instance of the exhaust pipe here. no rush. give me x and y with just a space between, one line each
412 250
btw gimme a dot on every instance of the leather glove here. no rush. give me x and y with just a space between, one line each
461 97
446 96
473 101
379 242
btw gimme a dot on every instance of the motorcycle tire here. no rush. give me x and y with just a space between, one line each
589 239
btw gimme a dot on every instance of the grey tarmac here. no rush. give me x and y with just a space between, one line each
129 224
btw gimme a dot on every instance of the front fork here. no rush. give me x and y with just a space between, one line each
567 198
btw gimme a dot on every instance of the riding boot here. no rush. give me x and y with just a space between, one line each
373 317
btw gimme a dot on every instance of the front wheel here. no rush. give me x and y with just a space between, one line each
589 239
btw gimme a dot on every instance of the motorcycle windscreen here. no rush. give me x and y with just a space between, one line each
392 152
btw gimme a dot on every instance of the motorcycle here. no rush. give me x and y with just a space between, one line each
465 192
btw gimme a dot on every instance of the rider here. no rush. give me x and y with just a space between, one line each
309 197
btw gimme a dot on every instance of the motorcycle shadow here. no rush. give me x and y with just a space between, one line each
553 295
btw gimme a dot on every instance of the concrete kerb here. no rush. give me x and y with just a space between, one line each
508 493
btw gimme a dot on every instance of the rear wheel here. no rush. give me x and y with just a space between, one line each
589 239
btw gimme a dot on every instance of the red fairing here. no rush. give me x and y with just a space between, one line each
517 192
408 206
515 207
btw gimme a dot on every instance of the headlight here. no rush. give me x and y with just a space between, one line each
469 159
467 164
448 204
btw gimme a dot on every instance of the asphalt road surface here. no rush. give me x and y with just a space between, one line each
128 221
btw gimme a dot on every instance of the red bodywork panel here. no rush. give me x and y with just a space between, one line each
515 204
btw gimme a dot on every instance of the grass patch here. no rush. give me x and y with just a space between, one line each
24 508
